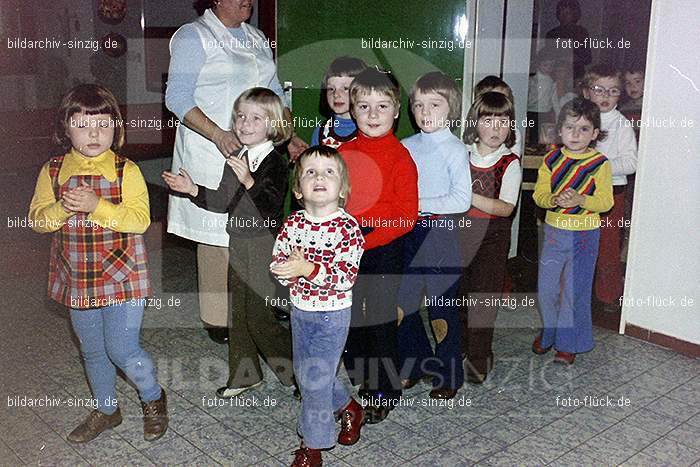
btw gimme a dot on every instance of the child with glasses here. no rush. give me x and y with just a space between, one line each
602 85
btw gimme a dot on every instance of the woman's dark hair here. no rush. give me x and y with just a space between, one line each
202 5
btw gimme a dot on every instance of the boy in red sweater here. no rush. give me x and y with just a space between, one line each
384 201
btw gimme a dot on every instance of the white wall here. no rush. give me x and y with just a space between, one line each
664 248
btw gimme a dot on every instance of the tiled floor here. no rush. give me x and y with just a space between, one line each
516 418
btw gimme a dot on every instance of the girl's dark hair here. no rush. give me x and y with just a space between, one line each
343 66
491 82
578 108
490 104
91 99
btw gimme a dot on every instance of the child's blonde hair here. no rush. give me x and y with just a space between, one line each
379 81
279 126
91 99
443 85
490 104
322 151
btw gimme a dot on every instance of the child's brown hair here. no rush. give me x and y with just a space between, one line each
443 85
279 127
322 151
91 99
490 104
600 71
379 81
581 108
492 82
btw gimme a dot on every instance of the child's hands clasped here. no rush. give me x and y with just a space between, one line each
569 198
295 266
182 182
241 169
80 199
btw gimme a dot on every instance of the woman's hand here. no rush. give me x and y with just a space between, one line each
80 199
226 141
296 147
181 183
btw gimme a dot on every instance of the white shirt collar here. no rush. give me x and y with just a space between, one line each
257 154
489 159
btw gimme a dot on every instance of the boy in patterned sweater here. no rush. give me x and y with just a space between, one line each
574 185
317 254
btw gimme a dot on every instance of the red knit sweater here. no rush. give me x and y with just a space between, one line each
384 187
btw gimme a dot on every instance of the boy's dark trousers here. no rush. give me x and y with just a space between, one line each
371 352
253 328
484 248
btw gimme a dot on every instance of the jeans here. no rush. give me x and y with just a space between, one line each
564 285
318 339
109 338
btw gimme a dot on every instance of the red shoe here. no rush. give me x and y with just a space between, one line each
565 357
352 418
307 457
537 346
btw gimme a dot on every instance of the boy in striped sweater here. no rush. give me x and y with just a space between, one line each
574 185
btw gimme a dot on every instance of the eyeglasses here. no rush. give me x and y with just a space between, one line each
600 90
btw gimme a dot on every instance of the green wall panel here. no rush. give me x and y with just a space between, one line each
311 33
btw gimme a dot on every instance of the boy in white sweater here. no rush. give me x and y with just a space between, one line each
602 85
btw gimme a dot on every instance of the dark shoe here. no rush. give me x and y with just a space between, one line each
95 423
537 346
443 393
155 417
227 392
376 414
352 417
565 357
307 457
280 314
218 334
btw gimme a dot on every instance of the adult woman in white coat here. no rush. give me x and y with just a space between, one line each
213 60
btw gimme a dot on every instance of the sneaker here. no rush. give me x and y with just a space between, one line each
95 423
227 392
155 417
565 357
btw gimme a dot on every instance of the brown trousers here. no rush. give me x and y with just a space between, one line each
253 328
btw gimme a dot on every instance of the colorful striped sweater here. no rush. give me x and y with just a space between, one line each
588 173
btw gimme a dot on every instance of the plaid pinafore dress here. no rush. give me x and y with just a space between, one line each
92 266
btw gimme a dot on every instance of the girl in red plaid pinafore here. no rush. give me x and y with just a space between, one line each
92 266
97 210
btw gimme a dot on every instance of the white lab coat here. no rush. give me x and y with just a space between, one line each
230 69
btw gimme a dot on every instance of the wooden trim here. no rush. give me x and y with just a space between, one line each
673 343
267 21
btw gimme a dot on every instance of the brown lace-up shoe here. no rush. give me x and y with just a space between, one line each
351 419
155 417
95 423
307 457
